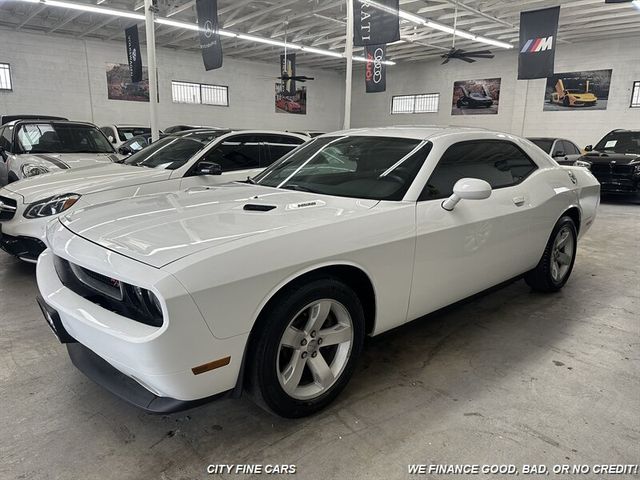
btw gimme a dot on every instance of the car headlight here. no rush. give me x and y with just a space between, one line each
51 206
636 170
582 163
31 170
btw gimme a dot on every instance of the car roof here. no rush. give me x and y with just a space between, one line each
62 122
409 131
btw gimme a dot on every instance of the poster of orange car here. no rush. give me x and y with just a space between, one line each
296 103
578 90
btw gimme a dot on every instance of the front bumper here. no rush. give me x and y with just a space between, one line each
159 360
617 183
25 248
19 236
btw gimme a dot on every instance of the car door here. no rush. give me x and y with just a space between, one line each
239 157
480 243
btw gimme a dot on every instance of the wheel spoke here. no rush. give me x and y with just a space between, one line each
339 333
318 313
293 372
554 269
292 337
562 239
321 371
564 258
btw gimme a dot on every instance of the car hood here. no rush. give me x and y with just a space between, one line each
608 157
86 180
162 228
64 161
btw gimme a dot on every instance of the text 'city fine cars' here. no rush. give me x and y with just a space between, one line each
270 286
196 158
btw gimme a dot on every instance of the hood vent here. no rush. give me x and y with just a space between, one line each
254 207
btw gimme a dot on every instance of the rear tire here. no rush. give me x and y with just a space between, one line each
556 264
306 347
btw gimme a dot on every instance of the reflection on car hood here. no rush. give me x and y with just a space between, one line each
63 161
94 179
159 229
608 157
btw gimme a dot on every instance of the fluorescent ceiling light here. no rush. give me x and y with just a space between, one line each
93 9
439 26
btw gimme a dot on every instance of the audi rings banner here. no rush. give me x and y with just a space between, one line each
375 72
375 23
133 53
210 44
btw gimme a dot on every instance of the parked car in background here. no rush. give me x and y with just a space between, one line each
197 158
563 151
134 145
615 162
272 285
119 134
34 147
182 128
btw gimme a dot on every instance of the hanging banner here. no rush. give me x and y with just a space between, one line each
133 53
538 33
375 25
210 44
375 72
287 72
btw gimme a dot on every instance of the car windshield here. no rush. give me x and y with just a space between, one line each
620 142
379 168
61 138
171 152
544 143
127 133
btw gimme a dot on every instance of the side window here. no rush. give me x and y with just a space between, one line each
279 146
5 138
500 163
239 152
108 132
570 148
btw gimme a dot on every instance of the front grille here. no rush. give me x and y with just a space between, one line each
612 169
8 207
109 293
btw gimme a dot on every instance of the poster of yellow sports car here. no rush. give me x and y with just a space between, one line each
120 87
296 103
578 90
476 97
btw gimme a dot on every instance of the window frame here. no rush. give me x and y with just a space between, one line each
10 89
635 95
415 97
421 197
200 85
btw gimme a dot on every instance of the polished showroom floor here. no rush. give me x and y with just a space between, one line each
512 377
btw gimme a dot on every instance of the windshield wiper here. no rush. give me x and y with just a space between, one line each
299 188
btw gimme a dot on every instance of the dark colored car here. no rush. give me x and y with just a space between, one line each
563 151
134 145
615 162
475 99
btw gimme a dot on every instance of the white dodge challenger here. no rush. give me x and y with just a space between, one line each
271 285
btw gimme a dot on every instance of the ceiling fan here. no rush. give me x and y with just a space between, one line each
458 53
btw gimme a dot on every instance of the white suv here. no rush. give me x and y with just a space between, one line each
34 147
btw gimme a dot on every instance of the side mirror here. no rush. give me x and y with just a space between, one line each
125 151
208 168
467 189
588 148
559 153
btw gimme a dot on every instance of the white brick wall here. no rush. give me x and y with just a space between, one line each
520 106
58 75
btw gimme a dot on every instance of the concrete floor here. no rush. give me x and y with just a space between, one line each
510 378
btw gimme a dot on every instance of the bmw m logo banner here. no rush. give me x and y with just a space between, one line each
287 72
210 44
375 71
375 23
134 58
538 34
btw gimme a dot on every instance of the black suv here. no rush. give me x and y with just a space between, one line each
615 161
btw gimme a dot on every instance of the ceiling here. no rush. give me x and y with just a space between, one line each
321 24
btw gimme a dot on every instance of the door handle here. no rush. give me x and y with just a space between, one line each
519 201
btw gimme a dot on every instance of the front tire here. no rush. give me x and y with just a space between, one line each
306 347
556 264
